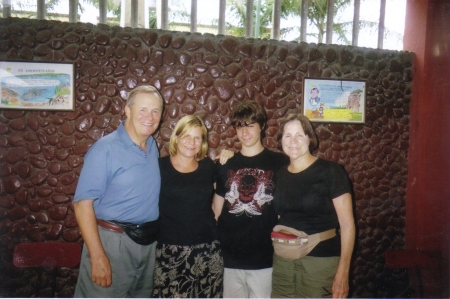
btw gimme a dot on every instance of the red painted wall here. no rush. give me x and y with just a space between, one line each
427 34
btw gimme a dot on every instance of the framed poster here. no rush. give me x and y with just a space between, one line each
36 85
334 100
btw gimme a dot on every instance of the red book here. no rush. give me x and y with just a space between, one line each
281 235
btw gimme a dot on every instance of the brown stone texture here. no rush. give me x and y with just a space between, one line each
41 152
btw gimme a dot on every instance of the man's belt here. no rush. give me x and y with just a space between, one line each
109 226
143 234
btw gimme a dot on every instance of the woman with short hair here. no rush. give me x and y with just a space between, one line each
188 260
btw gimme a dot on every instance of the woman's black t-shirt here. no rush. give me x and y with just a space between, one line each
304 201
185 204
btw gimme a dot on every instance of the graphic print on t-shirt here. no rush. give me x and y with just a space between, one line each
248 190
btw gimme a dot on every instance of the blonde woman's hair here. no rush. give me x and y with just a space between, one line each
183 127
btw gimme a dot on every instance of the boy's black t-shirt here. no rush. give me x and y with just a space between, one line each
248 215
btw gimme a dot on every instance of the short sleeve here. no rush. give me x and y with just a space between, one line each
93 177
338 181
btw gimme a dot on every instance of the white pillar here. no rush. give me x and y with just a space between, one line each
73 11
103 11
6 8
330 14
222 7
381 24
162 12
40 14
304 20
249 19
193 16
130 8
355 33
275 34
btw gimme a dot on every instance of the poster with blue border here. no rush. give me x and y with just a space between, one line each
334 100
36 85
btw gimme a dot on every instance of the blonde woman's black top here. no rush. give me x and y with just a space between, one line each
185 204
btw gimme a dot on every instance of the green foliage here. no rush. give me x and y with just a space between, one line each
238 10
317 17
153 19
112 6
50 4
179 13
25 7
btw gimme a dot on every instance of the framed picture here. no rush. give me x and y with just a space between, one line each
36 85
331 100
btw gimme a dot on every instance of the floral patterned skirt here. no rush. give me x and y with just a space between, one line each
188 271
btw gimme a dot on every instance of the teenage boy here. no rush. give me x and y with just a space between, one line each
243 206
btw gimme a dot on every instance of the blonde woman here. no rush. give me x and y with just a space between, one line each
188 260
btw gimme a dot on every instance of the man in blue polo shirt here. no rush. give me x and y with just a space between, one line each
116 204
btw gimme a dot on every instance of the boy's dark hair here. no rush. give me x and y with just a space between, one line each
248 112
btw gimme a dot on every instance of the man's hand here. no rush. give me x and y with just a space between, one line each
100 266
101 272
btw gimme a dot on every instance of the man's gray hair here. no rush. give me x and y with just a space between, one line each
143 89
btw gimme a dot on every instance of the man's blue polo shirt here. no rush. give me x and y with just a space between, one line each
122 179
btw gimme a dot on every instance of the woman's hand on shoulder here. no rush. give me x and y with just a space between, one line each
224 156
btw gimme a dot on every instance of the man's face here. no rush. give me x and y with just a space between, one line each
144 116
314 93
249 135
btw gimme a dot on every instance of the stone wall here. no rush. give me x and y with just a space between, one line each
41 152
